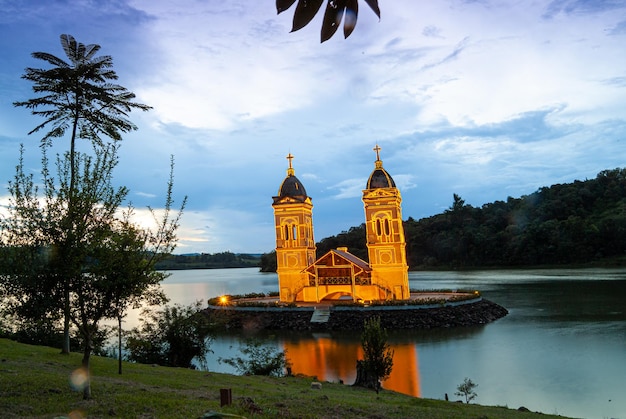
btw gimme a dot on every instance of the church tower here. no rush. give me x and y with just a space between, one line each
295 245
385 234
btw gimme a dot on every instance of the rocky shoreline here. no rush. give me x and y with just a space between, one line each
475 313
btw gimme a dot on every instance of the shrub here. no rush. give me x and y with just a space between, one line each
259 359
466 389
378 356
173 336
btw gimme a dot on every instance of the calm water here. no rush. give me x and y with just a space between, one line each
561 350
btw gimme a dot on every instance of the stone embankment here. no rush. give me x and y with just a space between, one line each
475 313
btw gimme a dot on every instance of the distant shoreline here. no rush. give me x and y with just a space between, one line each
608 264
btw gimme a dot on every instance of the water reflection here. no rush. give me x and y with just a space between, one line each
559 351
331 358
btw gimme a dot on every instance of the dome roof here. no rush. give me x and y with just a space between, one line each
380 178
292 188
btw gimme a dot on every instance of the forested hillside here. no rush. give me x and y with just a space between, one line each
574 223
570 223
208 261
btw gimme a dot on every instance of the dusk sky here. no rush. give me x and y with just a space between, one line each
485 99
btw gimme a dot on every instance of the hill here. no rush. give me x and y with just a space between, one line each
209 261
34 382
578 223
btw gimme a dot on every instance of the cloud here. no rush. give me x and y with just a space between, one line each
581 7
485 99
432 31
618 29
145 194
211 75
349 189
616 81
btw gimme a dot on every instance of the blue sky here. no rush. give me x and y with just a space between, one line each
485 99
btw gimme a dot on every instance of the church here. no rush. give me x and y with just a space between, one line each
339 274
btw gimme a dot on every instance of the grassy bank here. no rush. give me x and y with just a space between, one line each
35 382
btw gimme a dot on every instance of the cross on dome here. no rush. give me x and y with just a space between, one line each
377 150
290 171
379 162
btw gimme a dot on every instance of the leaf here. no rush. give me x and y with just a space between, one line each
305 12
332 18
70 46
349 22
335 11
374 6
91 50
282 5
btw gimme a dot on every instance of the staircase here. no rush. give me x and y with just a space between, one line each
320 315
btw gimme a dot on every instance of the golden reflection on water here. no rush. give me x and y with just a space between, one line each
332 360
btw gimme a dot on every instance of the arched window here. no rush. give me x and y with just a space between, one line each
289 233
382 227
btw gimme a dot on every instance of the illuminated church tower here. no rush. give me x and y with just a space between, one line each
385 233
295 245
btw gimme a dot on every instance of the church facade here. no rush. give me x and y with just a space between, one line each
338 273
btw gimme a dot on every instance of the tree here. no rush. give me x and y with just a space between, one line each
336 11
268 262
378 356
78 96
130 257
32 236
109 259
119 271
259 359
458 204
353 239
173 336
128 260
466 389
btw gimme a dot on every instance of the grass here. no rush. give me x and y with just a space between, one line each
34 382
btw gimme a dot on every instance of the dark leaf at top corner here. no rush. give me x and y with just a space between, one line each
282 5
305 12
374 5
349 21
332 18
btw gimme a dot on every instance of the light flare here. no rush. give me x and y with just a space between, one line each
78 379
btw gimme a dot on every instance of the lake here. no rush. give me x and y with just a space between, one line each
561 350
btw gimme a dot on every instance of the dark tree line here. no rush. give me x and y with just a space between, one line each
209 261
573 223
353 239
